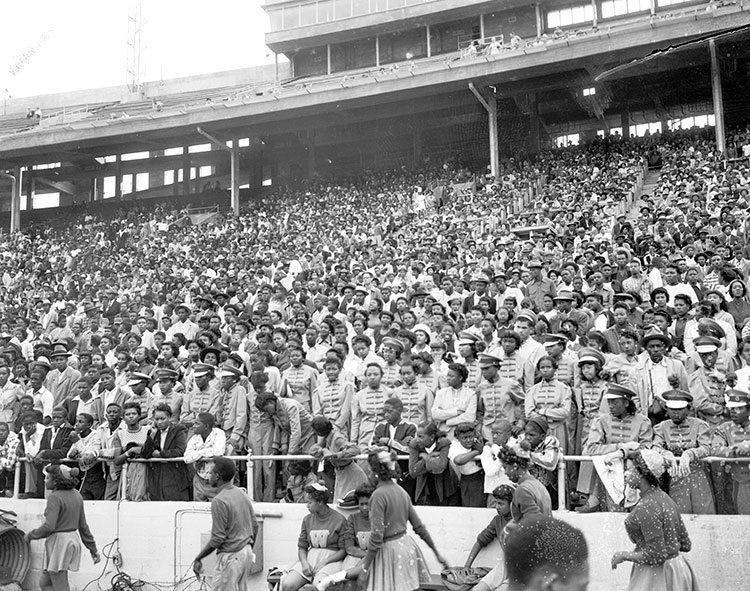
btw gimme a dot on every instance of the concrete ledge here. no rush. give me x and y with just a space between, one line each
158 541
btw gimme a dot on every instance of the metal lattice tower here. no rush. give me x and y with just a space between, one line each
135 28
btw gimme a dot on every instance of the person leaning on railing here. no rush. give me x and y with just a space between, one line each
732 440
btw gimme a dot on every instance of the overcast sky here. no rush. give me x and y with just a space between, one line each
79 44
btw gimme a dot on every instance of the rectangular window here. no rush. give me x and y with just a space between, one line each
572 139
661 3
325 11
277 19
134 156
141 181
291 17
110 182
612 8
199 148
205 171
168 177
126 186
360 7
572 15
589 91
342 9
174 151
308 14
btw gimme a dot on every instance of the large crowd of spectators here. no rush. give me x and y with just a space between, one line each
389 310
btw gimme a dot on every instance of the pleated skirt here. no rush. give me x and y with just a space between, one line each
62 551
675 574
399 566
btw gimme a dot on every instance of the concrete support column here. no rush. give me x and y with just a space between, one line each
15 200
175 183
185 172
653 7
539 20
481 26
718 97
29 188
416 144
328 58
311 157
596 16
118 177
234 177
489 102
625 123
428 37
534 126
377 51
276 65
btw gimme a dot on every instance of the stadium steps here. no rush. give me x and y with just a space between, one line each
648 186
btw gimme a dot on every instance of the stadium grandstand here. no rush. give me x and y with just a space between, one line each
506 241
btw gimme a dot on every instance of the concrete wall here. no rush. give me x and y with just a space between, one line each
158 541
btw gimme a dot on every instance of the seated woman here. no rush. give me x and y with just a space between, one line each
320 547
357 532
495 530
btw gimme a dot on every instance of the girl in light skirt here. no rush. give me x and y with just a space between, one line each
64 528
393 561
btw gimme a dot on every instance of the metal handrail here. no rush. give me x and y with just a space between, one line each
251 459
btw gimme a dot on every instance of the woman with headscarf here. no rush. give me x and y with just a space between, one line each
657 530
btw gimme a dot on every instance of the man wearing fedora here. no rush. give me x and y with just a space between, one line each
650 377
62 380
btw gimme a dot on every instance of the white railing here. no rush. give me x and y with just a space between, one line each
250 473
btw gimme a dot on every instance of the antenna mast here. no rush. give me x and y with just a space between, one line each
135 28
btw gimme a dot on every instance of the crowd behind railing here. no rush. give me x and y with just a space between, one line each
383 310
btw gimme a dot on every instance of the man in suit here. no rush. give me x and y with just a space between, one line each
396 434
62 380
54 446
167 482
479 283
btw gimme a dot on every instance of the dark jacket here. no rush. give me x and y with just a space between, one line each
168 481
435 468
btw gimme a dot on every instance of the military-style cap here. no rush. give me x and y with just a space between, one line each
706 344
737 398
202 369
616 391
137 377
488 360
677 399
588 355
394 344
527 315
467 338
714 327
552 339
166 374
229 371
